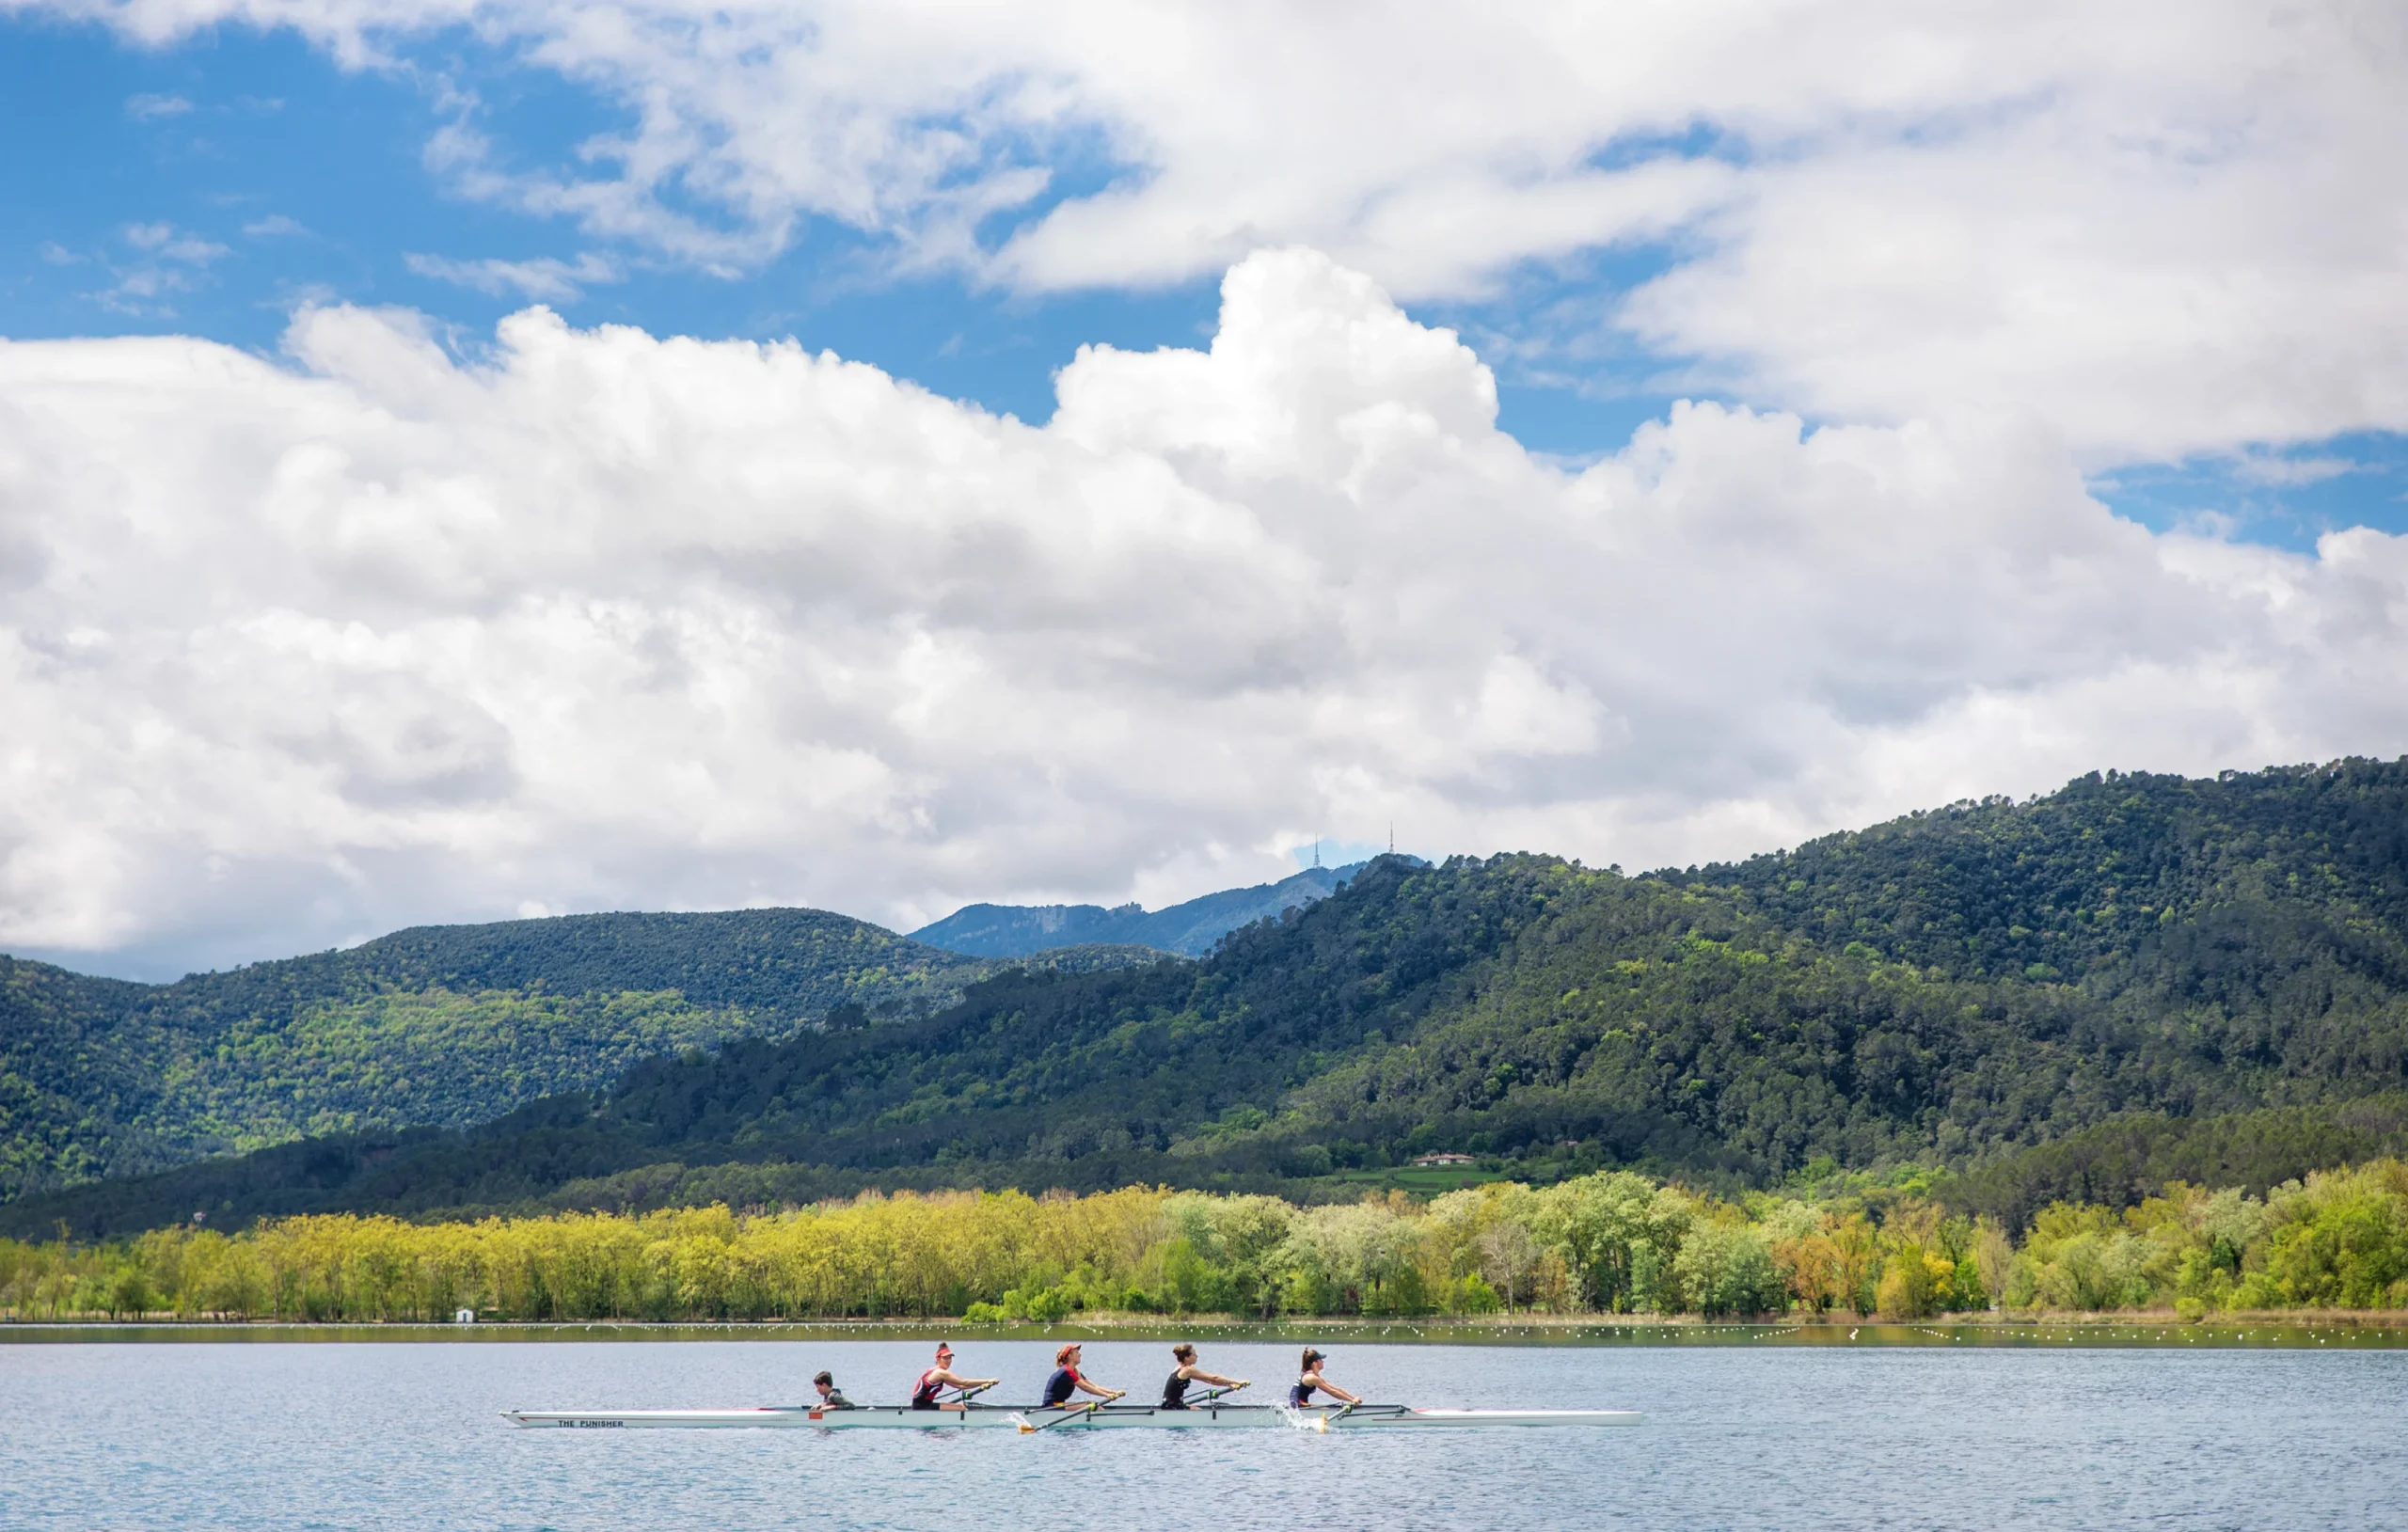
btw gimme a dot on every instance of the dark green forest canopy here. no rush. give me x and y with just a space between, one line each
2126 1159
2209 887
1955 987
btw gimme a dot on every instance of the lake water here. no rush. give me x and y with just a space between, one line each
407 1436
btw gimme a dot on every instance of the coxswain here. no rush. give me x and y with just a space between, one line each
830 1397
941 1377
1067 1382
1175 1391
1300 1397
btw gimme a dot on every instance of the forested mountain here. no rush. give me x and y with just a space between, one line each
1191 929
1955 988
442 1025
1076 1077
2180 876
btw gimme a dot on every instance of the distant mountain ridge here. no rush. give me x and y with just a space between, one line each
436 1025
1190 929
451 1026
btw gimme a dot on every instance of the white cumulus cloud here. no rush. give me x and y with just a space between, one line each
598 619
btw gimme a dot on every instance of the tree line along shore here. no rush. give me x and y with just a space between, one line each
1610 1243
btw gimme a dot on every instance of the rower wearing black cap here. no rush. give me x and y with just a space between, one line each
1175 1391
1300 1397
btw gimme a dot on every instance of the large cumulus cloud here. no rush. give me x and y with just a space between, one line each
297 650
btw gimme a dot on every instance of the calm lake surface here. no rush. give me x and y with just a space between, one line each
402 1435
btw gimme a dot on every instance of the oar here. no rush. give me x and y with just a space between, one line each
963 1395
1327 1421
1070 1413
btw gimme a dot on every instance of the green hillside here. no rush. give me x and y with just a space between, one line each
1073 1078
1943 985
440 1025
2261 890
1957 987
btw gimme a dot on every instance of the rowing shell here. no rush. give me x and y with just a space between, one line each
1107 1417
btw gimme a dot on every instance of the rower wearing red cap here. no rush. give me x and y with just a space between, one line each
941 1377
1065 1381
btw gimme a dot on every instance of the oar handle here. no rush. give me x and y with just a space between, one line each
1069 1411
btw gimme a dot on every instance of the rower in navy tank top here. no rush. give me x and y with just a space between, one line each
1067 1382
1300 1395
1175 1391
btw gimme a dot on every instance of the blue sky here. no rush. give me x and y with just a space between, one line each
209 185
312 181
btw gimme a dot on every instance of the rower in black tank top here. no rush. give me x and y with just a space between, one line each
1300 1395
1175 1391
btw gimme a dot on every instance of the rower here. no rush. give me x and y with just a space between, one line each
941 1377
1065 1381
830 1397
1300 1397
1175 1391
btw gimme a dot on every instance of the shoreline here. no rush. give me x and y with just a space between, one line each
2283 1330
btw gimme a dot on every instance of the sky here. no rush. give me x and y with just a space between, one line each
465 460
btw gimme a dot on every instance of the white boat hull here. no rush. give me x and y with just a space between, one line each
1109 1417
